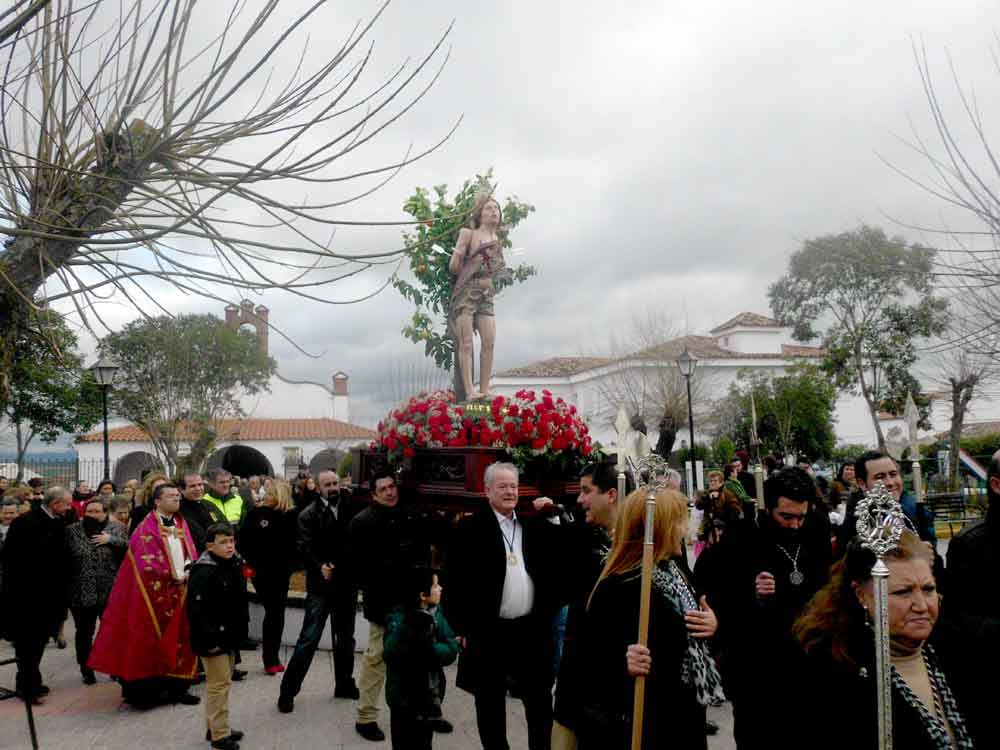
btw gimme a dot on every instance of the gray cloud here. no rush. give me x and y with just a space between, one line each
676 156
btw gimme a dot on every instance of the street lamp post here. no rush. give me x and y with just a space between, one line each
104 371
687 364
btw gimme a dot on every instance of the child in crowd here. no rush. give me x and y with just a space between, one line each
418 644
217 611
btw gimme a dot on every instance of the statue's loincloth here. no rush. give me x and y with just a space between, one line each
473 300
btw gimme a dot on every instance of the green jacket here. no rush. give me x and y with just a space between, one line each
418 644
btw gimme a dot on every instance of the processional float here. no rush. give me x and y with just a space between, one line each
880 526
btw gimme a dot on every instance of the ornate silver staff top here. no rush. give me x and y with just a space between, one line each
880 526
881 521
650 471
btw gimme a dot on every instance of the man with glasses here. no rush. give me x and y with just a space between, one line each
774 568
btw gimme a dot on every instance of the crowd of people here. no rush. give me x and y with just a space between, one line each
771 609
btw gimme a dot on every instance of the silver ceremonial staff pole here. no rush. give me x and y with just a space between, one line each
651 471
880 525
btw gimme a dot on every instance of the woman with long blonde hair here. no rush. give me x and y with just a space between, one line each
680 673
267 543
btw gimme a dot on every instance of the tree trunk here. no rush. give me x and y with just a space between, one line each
870 401
74 210
961 395
667 438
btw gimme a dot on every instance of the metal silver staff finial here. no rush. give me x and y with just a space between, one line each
881 521
650 471
880 526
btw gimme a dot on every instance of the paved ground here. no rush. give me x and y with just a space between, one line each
77 717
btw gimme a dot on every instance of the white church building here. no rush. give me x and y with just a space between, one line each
748 341
290 424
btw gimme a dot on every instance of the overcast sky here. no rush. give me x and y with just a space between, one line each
676 155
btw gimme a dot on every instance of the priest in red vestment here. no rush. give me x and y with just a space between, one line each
143 640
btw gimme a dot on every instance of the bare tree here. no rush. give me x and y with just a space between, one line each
965 373
136 155
644 378
962 173
403 377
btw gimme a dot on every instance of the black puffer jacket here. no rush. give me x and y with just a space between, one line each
217 608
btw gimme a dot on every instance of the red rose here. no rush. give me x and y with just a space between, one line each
538 443
408 452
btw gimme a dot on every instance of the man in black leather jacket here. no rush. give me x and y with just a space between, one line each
330 593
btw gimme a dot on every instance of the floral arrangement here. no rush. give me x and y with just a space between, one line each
526 426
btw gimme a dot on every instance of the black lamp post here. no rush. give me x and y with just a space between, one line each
104 371
687 364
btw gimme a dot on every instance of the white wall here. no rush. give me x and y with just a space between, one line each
288 400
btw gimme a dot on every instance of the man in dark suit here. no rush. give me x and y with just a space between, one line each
501 601
35 595
330 593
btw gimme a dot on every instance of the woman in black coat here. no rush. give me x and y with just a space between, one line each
96 548
681 676
268 543
838 639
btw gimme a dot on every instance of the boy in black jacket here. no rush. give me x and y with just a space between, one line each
217 612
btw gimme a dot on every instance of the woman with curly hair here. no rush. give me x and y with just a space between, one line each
835 631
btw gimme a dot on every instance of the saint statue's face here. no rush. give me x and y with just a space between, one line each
490 214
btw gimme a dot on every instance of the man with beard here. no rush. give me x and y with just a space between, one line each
330 593
144 637
776 567
35 594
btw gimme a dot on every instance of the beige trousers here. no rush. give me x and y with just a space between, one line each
218 680
372 677
563 737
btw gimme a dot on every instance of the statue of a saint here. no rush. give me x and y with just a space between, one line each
479 266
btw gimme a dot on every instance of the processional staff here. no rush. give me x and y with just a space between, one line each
649 471
880 526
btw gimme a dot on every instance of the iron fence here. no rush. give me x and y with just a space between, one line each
55 471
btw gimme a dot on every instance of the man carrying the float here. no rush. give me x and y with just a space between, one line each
144 636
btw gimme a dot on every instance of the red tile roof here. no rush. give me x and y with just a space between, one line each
747 320
794 350
556 367
700 347
254 429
